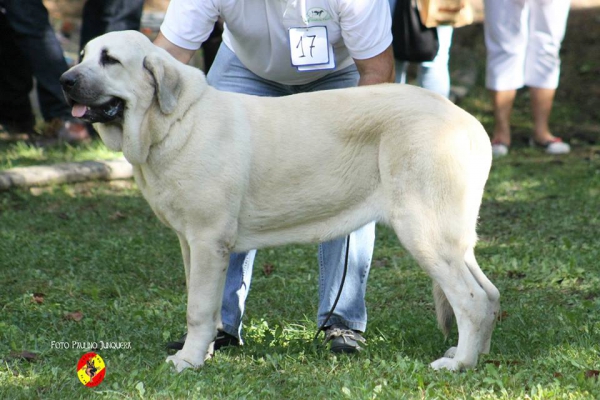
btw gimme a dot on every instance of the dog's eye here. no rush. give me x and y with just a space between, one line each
106 59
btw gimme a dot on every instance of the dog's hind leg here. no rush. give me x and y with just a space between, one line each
208 267
493 296
433 186
442 254
445 313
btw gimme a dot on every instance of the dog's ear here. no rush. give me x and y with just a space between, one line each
166 80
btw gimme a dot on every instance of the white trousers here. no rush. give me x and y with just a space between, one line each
523 39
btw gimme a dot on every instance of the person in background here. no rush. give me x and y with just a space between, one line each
433 75
29 48
523 39
266 51
102 16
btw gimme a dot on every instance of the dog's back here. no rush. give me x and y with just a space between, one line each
320 162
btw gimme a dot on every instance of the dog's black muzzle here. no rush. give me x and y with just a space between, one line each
84 101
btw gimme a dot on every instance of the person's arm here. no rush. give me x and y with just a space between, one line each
181 54
378 69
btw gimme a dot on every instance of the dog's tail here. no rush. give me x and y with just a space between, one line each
443 310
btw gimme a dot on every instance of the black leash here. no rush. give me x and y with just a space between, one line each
324 324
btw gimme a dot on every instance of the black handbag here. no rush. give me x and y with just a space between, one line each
412 40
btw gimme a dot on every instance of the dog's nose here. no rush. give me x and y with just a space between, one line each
68 81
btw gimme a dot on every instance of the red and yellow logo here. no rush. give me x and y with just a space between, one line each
91 369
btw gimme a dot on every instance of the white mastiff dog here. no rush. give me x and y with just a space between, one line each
231 172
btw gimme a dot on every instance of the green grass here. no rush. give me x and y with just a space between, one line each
98 249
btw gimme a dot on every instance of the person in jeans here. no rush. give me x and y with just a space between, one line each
266 51
29 48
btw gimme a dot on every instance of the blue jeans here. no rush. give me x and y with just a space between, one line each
432 75
229 74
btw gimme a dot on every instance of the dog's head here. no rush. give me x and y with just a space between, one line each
121 79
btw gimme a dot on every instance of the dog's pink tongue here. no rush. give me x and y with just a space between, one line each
78 110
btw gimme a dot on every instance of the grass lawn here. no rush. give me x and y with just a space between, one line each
98 249
91 263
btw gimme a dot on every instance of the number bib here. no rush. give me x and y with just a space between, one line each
310 49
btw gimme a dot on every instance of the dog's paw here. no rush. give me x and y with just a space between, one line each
445 363
180 363
450 353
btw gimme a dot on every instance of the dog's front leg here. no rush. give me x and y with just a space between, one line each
208 267
185 253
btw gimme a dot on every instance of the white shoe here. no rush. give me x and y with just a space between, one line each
555 146
499 149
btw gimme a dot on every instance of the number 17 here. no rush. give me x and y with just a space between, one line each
301 45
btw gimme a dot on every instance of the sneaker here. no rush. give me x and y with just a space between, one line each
499 149
223 339
553 146
343 339
70 130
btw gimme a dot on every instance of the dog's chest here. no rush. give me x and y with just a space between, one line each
162 195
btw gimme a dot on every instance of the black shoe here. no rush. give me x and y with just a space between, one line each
178 344
343 339
223 339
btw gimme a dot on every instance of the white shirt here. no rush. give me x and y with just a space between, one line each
257 31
